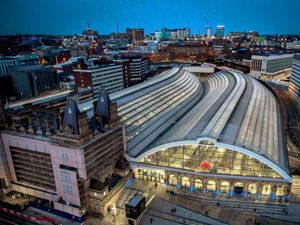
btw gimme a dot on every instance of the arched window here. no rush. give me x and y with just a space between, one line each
266 190
172 179
198 184
185 182
252 189
211 185
280 190
224 186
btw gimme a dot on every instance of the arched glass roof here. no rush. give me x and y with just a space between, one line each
229 108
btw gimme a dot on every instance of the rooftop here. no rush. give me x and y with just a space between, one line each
230 109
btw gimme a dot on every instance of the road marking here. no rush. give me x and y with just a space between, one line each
8 221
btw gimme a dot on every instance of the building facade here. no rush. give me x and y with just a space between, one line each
6 62
269 66
32 80
294 85
108 76
186 49
135 34
220 31
55 158
139 68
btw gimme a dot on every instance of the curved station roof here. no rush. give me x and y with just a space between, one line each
229 109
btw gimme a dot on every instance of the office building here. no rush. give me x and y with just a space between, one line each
220 31
139 68
188 49
32 80
135 34
11 61
108 76
59 158
208 32
269 67
294 85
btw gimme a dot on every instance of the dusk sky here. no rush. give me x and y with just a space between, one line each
71 16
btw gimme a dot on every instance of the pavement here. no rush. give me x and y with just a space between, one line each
231 211
160 209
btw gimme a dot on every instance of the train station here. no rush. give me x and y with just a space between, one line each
221 135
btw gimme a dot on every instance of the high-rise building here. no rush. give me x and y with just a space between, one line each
32 80
208 32
135 34
220 31
294 86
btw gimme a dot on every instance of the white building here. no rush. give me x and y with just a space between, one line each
107 76
266 67
294 86
208 32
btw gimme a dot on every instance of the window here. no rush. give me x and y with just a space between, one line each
198 184
67 189
266 190
64 156
211 185
252 189
65 177
172 179
185 182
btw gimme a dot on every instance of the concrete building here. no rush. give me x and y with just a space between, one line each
271 66
223 135
11 61
58 158
294 86
208 32
139 68
220 31
188 49
135 34
108 76
32 80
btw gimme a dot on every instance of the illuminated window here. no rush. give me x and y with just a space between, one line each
198 184
211 185
172 179
224 186
266 190
185 182
280 191
252 189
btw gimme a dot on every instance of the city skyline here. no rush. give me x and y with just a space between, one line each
71 17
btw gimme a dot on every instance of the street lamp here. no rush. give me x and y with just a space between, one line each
113 212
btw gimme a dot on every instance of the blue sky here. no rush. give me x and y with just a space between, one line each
71 16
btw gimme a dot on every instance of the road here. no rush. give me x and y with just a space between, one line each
7 219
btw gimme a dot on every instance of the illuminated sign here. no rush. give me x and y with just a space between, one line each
206 165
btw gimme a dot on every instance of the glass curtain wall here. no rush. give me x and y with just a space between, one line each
210 159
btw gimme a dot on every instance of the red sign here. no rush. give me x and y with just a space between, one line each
205 165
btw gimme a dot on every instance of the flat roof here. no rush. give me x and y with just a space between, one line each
135 200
